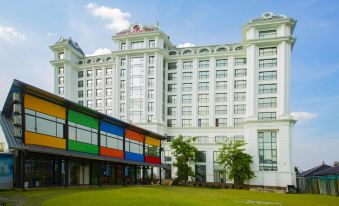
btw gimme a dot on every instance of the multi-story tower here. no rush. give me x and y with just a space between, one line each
217 92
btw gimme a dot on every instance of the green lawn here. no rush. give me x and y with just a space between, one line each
162 196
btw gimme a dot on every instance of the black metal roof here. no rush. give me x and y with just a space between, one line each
312 171
70 42
329 171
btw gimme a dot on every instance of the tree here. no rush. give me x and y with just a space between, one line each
236 163
184 153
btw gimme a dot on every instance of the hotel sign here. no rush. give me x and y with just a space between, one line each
135 29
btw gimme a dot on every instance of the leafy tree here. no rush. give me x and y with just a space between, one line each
236 163
184 153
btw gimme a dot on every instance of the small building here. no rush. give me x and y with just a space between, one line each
56 142
328 181
307 183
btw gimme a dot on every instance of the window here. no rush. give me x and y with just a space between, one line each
240 109
240 61
204 75
151 82
172 76
80 93
61 55
61 70
150 106
151 59
264 63
109 81
81 102
186 123
80 84
150 94
187 76
267 88
133 146
98 92
109 112
202 122
61 90
123 62
221 63
269 75
82 133
151 150
60 80
98 72
171 87
151 43
238 121
267 34
268 51
171 123
89 73
221 74
204 51
122 84
266 115
123 46
204 64
238 138
221 97
172 66
122 96
122 108
219 139
203 110
203 98
187 65
172 99
187 99
187 87
80 74
89 93
203 86
151 71
221 109
111 140
168 156
187 111
267 143
200 156
150 118
89 103
98 82
240 73
187 52
108 91
122 72
89 83
267 102
99 102
108 71
240 84
221 85
109 102
221 122
239 96
44 124
171 111
137 45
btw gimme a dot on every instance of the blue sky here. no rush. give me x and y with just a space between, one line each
27 28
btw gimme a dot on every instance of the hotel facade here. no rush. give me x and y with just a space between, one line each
235 91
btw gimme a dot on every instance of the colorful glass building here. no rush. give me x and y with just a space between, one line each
56 142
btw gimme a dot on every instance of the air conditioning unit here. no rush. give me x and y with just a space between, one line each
16 97
17 121
17 132
17 109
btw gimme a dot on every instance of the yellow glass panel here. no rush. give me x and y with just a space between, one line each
45 107
44 140
152 141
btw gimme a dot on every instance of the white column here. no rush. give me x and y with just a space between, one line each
252 83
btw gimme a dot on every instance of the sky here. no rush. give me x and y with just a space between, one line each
28 28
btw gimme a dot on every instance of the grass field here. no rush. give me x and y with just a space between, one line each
162 196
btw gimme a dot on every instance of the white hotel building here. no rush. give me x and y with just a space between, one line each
214 92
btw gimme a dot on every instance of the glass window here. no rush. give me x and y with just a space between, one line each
269 75
219 139
122 72
150 94
187 111
61 70
187 99
171 123
122 107
150 106
269 102
89 93
266 115
203 110
240 61
267 34
99 102
171 111
111 140
204 75
171 99
61 80
221 122
268 51
171 87
137 45
151 59
267 143
89 73
61 55
122 84
187 87
89 83
109 81
61 90
89 103
168 156
98 72
80 93
187 76
133 146
221 109
221 74
80 74
240 84
221 97
123 46
203 122
200 156
203 98
80 84
123 62
122 95
240 73
221 85
238 121
221 63
172 66
172 76
264 63
109 71
186 123
151 150
239 96
151 71
151 43
150 118
203 86
267 88
98 92
98 82
109 102
187 65
240 109
204 64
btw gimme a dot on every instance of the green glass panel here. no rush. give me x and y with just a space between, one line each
82 119
82 147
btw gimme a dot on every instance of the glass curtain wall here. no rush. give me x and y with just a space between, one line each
137 88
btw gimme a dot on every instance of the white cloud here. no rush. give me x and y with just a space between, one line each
100 51
117 20
304 116
187 44
10 35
